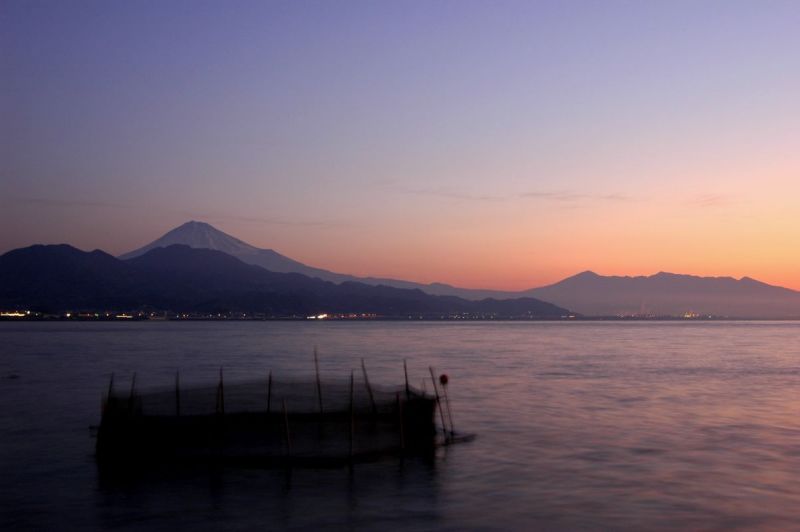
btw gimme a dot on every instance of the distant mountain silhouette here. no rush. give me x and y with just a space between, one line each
204 236
671 294
184 279
62 277
588 293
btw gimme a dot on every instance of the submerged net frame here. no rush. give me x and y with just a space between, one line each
265 396
298 395
267 420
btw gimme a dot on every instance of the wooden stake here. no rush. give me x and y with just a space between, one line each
369 389
111 386
269 392
221 394
177 393
405 370
352 412
439 403
447 405
133 391
286 428
319 386
402 423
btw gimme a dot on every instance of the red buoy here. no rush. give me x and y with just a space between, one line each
443 379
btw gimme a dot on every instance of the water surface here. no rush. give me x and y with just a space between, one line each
592 425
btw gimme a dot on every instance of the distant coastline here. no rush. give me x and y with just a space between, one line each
18 316
197 272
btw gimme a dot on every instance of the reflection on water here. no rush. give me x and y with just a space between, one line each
580 425
368 496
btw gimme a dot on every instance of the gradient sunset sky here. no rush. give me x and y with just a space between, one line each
485 144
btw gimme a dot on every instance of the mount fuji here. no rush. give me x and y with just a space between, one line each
590 294
201 235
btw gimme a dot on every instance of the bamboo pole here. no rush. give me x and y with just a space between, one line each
402 423
369 389
405 371
439 404
177 393
352 412
105 402
269 392
286 428
133 391
221 394
447 405
319 386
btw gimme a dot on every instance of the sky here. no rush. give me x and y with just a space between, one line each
491 144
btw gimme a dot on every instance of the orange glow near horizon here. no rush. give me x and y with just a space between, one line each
509 247
514 244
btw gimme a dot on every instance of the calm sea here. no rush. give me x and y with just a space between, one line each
584 425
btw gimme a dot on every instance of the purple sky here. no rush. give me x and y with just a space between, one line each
497 144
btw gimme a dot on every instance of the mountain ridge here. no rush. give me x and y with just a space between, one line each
671 294
587 292
180 278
